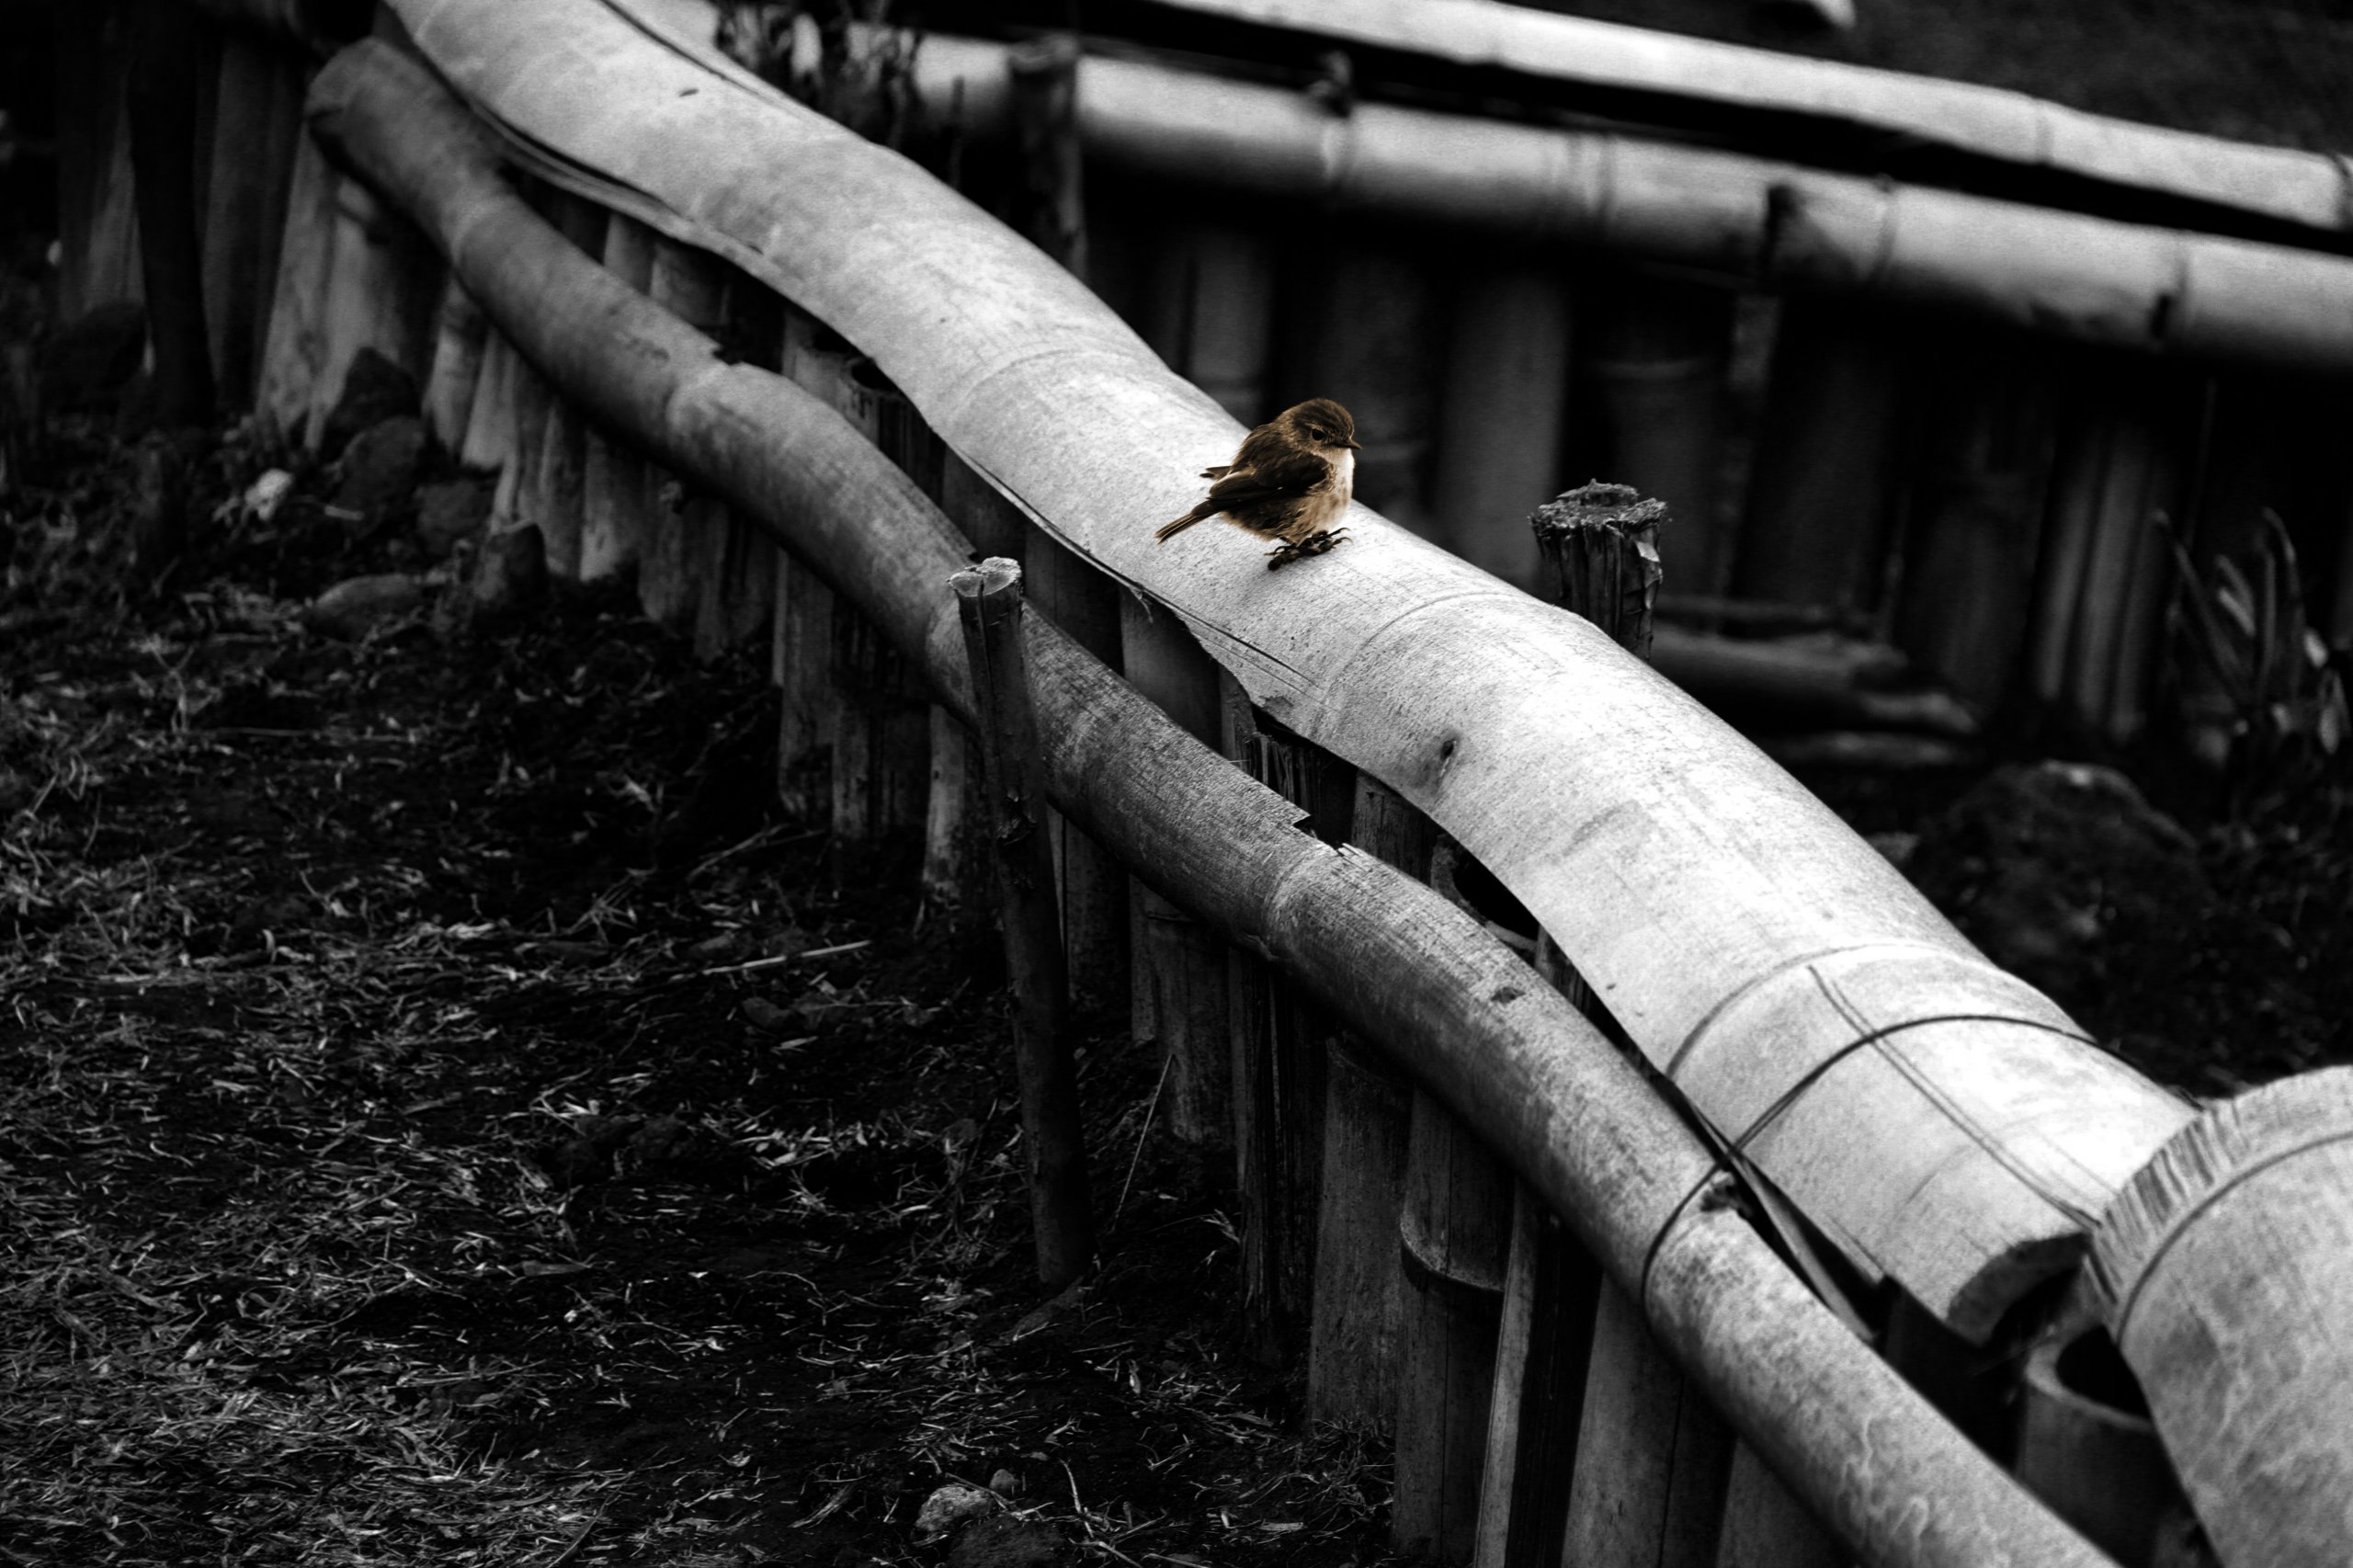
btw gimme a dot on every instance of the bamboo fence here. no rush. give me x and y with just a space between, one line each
1920 1142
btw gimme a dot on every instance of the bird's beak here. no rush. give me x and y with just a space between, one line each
1353 446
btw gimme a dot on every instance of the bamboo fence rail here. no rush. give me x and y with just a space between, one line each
1385 953
1789 981
1744 219
1885 117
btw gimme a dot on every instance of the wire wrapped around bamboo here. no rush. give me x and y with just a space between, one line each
1743 219
1941 1121
1390 956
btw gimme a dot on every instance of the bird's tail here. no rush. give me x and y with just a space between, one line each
1167 531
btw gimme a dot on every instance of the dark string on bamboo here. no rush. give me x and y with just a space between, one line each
1730 1157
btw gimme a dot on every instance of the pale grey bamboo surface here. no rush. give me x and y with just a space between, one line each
1734 925
1389 954
2312 189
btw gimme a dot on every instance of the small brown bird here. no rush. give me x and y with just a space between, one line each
1289 482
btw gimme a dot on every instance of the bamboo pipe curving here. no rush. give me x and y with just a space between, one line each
1389 955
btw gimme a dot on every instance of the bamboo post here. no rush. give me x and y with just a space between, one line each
1454 1227
1353 1331
460 336
1822 489
686 283
1360 324
1551 1287
168 55
1976 508
1179 967
989 601
488 446
2100 587
735 563
1210 311
1500 422
1654 363
294 351
803 646
98 261
560 481
1044 75
258 125
1280 1043
2096 1462
383 285
619 509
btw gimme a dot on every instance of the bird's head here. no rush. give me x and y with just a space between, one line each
1320 422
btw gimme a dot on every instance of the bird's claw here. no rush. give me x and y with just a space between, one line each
1315 543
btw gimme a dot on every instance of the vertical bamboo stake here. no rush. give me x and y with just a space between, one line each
460 333
294 352
735 562
1822 490
686 283
1180 965
257 128
989 600
1551 1289
2100 1467
803 642
1353 1334
560 487
97 212
1656 354
1976 507
489 442
383 285
1369 309
1052 210
1500 421
1280 1044
1454 1226
166 56
618 507
1211 312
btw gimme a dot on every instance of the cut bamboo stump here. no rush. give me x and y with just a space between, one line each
1353 1332
1360 316
2224 1269
1654 360
294 352
2099 1465
1976 506
1179 967
1822 493
619 513
1500 422
989 601
255 129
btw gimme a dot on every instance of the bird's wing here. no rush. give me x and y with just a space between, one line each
1294 475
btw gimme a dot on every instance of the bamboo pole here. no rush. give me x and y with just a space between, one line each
1656 360
560 501
989 601
802 655
1976 506
1210 313
619 508
735 563
167 53
1957 1140
256 131
489 443
1743 220
2002 136
688 283
1178 967
383 285
1822 493
1360 324
2099 1465
460 336
1501 414
1574 1118
1543 1345
294 351
1043 75
98 260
